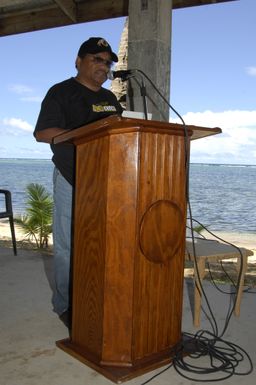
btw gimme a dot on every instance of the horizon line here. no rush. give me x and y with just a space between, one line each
207 163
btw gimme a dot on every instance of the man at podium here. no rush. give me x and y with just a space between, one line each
68 105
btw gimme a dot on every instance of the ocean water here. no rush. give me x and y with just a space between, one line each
16 174
222 197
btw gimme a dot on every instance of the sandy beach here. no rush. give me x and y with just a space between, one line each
5 232
247 240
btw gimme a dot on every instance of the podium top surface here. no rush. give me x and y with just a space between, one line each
116 124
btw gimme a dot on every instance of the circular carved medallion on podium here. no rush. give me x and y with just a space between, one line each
161 231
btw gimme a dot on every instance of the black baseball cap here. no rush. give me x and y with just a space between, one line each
96 45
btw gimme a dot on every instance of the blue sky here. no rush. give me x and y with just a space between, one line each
213 78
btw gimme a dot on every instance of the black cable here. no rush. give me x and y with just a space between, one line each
227 276
142 93
221 264
224 357
158 374
162 96
132 75
130 94
203 292
231 244
228 317
239 274
248 290
213 281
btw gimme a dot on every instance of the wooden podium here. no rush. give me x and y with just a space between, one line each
129 241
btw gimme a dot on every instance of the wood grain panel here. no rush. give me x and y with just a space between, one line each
90 244
120 248
127 305
158 290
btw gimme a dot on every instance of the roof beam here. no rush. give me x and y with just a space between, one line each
69 8
51 17
189 3
19 16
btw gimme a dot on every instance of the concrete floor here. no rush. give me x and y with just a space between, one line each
29 329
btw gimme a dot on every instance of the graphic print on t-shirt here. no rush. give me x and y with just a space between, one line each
103 107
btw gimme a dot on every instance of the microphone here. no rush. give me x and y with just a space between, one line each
122 74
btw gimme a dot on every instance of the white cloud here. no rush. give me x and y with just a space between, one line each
20 89
236 144
251 71
36 99
25 92
18 123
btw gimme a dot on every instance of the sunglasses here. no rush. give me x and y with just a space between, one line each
100 60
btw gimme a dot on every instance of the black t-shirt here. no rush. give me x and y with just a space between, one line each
69 105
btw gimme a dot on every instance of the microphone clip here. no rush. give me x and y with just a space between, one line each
121 74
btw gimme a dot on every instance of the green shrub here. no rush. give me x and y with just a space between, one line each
36 223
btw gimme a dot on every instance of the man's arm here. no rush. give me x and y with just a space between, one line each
48 134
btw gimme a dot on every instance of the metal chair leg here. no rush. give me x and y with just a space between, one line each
13 235
8 213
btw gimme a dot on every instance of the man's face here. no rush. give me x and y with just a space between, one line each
93 68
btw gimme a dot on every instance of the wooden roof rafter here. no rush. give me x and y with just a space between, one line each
19 16
69 7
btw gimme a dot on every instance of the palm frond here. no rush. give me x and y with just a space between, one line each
37 222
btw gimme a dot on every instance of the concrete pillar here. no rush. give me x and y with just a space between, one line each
149 49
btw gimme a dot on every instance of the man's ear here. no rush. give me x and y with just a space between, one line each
78 63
